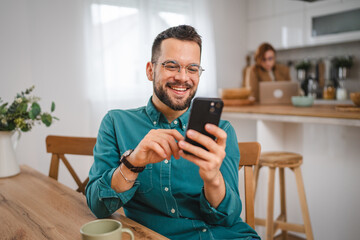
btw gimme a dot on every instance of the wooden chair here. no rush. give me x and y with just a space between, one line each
59 146
249 157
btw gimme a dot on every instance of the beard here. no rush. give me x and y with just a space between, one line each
178 104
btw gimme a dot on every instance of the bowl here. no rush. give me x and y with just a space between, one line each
355 97
235 93
302 101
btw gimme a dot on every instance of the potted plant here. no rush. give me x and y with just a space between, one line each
343 64
19 116
302 68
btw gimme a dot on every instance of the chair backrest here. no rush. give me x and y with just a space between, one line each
59 146
249 157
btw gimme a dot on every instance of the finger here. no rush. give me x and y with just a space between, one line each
172 144
195 150
154 146
176 134
163 142
219 133
199 162
174 148
204 140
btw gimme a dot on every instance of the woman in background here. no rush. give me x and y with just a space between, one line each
265 69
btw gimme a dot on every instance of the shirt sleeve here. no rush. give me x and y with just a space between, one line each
228 212
101 198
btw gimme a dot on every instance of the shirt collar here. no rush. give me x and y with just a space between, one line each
155 115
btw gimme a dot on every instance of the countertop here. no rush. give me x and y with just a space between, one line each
318 113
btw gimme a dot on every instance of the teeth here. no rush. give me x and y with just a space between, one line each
179 89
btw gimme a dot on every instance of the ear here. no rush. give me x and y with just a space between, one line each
150 71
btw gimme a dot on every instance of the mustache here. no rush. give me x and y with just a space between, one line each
175 84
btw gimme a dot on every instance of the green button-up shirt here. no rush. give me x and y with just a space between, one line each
168 196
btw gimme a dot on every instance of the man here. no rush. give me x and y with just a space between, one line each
178 195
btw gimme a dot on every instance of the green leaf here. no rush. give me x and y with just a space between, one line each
46 119
23 107
35 110
52 106
3 109
56 118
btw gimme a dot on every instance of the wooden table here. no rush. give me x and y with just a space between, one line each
34 206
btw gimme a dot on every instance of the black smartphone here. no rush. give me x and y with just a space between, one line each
203 111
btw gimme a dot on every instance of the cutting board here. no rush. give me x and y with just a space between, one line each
347 108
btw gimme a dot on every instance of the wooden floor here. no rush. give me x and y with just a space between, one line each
290 237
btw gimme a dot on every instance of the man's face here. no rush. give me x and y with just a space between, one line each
175 89
268 61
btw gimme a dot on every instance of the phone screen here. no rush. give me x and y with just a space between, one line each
204 110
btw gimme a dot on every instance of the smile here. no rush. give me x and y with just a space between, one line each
179 89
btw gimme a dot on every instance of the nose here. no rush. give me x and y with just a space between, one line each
181 75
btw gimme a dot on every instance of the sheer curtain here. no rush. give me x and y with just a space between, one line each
119 36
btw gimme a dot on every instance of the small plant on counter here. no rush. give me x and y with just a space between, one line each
345 62
24 112
303 65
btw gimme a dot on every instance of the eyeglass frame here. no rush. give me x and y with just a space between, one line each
181 66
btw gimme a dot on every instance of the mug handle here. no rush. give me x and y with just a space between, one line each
128 231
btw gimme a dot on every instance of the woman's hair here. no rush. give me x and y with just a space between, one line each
260 52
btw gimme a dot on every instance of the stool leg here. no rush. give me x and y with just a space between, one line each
256 177
282 200
304 207
270 206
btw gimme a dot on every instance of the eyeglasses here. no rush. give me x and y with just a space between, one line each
268 59
192 69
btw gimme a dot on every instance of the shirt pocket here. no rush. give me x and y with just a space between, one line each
145 179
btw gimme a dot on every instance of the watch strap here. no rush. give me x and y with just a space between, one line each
128 164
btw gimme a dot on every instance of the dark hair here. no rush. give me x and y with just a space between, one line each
181 32
260 52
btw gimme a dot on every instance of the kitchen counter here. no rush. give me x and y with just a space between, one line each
318 113
328 140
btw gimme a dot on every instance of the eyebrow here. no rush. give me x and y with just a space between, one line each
174 61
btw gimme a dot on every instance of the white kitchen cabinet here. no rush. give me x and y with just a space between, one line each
289 30
287 24
283 31
321 4
260 31
260 9
286 6
337 7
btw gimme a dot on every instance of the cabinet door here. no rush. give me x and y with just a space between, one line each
260 31
260 9
289 30
286 6
312 39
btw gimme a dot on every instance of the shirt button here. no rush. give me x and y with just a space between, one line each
204 230
175 122
172 210
154 122
166 161
166 189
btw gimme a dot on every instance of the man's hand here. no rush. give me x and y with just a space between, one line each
157 145
210 161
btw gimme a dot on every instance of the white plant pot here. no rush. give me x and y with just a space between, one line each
8 164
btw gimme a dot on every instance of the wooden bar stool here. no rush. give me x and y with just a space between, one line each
283 160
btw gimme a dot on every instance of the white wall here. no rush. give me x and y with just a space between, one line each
230 26
42 44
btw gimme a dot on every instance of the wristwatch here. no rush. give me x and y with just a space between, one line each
128 164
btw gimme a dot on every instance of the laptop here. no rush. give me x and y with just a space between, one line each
277 92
